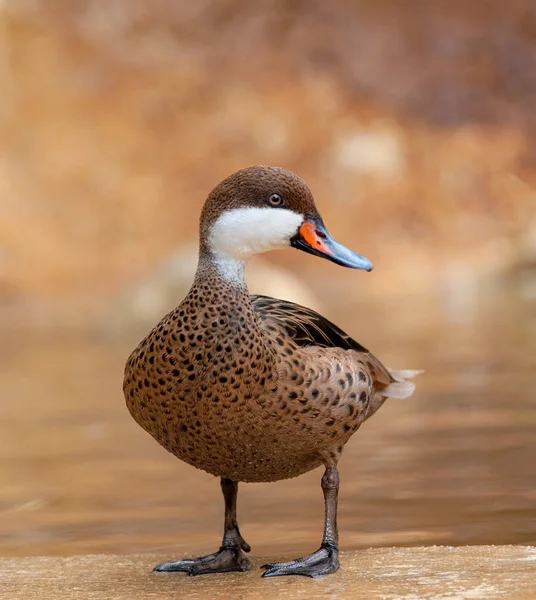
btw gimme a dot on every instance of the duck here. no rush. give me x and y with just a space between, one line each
250 388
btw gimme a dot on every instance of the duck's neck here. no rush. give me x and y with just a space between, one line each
226 270
220 289
220 300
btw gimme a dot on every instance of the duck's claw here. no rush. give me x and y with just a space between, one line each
322 562
223 561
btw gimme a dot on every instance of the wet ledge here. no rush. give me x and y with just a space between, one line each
435 573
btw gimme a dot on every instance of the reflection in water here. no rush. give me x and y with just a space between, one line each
454 464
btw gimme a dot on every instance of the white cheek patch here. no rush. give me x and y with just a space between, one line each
241 232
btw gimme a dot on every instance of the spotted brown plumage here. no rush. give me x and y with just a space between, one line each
251 388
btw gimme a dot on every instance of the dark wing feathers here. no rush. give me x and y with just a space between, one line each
305 326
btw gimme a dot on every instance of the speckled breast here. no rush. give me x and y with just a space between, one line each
207 394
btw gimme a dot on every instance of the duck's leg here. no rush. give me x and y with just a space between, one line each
326 559
230 556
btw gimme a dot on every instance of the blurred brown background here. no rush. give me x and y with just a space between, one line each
414 123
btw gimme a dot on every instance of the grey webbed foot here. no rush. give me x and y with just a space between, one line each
322 562
223 561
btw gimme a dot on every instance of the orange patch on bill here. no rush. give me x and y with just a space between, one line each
308 233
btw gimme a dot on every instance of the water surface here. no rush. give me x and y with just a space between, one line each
455 464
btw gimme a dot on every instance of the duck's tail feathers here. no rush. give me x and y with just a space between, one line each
401 387
403 374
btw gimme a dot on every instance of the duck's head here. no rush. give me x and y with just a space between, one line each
265 208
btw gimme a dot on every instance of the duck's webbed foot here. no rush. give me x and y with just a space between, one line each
322 562
230 556
326 559
224 561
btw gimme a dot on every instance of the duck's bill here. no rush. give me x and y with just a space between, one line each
315 239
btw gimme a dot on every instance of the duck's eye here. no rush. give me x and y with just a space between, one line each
275 200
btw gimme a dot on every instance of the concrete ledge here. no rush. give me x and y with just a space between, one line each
434 573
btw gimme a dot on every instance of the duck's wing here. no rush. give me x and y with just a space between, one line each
307 328
316 334
303 325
